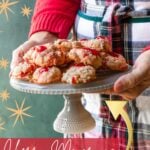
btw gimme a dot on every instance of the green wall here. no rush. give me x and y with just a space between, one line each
14 28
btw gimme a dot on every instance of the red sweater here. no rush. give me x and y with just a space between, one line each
55 16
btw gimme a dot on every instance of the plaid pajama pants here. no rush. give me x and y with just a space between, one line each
127 24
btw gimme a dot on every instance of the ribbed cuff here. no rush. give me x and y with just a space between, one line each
54 23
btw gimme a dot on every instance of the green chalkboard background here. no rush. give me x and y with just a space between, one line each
39 111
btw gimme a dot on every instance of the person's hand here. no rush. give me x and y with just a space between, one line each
131 85
36 39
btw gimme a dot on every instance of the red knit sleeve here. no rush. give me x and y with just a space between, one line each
55 16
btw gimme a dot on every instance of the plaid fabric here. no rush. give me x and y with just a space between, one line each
127 24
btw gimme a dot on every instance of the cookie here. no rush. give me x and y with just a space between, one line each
101 43
45 56
79 74
63 44
114 61
66 45
45 75
86 56
23 71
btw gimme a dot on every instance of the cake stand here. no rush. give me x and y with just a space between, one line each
73 118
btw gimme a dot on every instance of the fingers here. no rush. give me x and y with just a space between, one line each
131 94
37 38
17 55
28 44
132 79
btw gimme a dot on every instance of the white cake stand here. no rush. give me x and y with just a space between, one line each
73 118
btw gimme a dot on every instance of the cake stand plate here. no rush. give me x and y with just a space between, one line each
73 118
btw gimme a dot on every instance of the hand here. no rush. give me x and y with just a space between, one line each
131 85
36 39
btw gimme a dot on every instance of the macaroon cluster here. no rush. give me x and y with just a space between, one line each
68 61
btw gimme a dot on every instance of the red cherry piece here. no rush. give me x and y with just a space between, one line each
85 55
23 74
45 69
74 80
41 48
93 51
79 65
32 67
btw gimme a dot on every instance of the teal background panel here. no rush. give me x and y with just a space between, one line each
38 111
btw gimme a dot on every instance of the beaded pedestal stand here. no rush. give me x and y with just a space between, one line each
73 118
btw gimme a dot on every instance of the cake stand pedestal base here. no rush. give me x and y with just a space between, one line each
73 118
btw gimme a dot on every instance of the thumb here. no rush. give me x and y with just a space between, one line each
26 46
131 79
